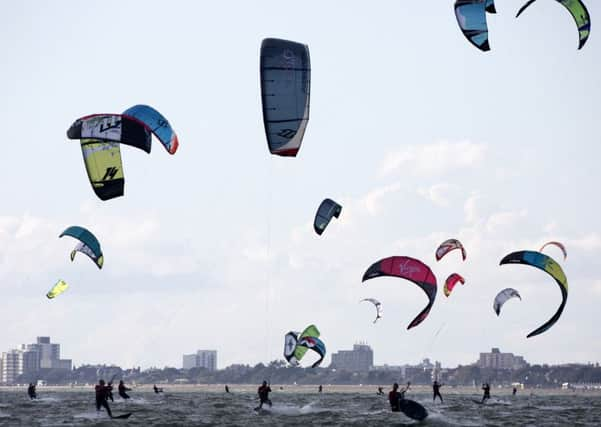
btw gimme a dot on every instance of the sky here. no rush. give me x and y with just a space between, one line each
417 134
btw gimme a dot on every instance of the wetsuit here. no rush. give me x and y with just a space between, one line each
486 389
380 391
122 390
515 390
157 390
102 394
263 392
31 392
395 397
320 389
436 391
227 389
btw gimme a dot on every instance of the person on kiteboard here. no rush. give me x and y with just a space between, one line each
31 391
395 396
102 394
263 392
486 388
436 391
122 390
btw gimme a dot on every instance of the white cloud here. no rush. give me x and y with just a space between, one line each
371 202
436 158
503 220
589 242
437 194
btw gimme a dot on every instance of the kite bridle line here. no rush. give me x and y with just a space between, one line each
268 272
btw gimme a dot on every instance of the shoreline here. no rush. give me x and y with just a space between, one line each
294 389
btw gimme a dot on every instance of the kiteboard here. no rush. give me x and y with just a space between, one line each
413 409
479 402
122 416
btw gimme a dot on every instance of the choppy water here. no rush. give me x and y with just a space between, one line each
213 408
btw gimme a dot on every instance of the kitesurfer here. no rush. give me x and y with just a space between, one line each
320 389
263 392
514 391
380 391
227 389
156 389
486 388
436 391
102 394
395 396
31 391
123 389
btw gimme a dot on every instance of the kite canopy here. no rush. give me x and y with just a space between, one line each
450 283
111 127
578 11
88 244
326 211
104 167
156 123
285 91
378 306
559 245
449 245
60 287
547 264
410 269
295 346
471 17
502 297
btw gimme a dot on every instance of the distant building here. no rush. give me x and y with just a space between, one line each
497 360
359 359
31 358
11 366
201 359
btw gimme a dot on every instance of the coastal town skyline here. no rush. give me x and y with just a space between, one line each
360 357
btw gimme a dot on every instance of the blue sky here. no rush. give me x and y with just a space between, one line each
419 136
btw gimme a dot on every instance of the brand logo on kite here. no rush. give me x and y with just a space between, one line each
110 173
287 133
407 268
107 125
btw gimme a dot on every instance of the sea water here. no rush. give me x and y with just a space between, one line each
299 407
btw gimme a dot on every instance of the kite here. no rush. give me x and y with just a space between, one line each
111 127
580 14
559 245
548 265
450 283
471 17
378 306
88 244
285 91
326 211
410 269
104 167
502 297
447 246
296 346
156 123
60 287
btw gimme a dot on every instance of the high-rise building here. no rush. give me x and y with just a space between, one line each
497 360
359 359
11 366
201 359
189 361
49 353
31 358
